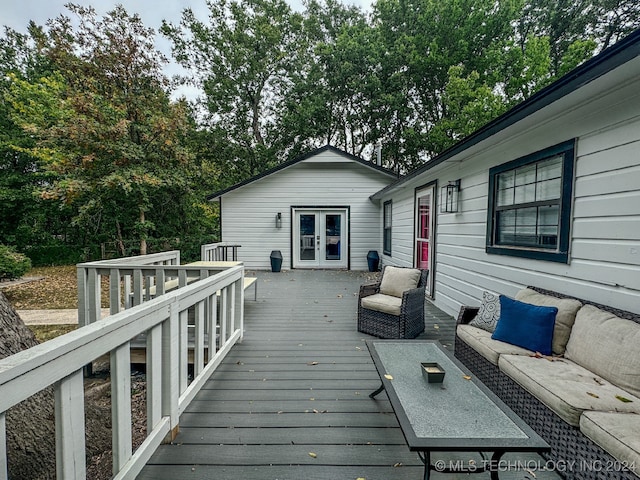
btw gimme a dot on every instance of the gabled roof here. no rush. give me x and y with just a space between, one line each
606 61
299 159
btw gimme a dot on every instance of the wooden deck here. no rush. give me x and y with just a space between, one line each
291 401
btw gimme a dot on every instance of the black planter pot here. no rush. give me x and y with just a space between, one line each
276 260
373 259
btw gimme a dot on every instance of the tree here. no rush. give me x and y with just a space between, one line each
423 39
332 98
30 431
103 121
572 26
241 59
24 218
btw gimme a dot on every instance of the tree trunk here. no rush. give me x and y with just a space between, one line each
143 239
123 251
30 424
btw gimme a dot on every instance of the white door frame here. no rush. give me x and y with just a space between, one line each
320 241
427 241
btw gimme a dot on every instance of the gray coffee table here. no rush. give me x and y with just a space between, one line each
458 415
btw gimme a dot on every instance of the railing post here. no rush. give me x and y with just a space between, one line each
232 308
182 278
161 279
81 275
212 322
154 376
198 346
4 467
128 292
183 358
121 406
224 314
240 306
93 292
69 414
114 291
170 369
137 287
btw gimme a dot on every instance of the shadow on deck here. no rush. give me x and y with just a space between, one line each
291 401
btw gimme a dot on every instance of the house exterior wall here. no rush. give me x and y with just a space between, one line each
604 262
326 180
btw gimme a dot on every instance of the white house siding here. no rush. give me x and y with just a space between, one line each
605 240
401 230
326 180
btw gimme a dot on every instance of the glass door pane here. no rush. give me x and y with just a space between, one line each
333 233
307 236
423 254
425 229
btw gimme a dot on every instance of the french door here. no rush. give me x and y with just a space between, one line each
425 230
320 238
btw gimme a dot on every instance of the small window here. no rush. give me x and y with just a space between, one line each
530 205
386 228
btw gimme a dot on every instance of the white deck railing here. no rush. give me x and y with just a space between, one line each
135 273
165 322
219 252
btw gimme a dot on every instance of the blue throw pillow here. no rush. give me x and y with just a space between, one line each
525 325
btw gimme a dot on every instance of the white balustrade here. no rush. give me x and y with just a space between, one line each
163 318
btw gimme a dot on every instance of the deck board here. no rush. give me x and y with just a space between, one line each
297 384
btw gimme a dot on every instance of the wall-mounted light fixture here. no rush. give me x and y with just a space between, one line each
449 199
279 220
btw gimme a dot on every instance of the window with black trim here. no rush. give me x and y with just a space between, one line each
386 228
530 205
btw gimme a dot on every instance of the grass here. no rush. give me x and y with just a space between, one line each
58 289
47 332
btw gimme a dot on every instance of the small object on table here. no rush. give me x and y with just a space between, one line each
432 372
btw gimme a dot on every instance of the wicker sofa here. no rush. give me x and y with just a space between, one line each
393 307
591 424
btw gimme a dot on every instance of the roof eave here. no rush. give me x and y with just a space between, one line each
294 161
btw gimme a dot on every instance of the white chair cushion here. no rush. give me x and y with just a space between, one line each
480 340
617 433
382 303
565 387
396 280
607 345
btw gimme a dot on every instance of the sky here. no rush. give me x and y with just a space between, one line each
17 14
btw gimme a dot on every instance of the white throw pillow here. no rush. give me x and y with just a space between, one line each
489 312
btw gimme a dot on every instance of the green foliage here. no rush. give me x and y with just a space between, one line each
333 96
94 151
103 123
12 264
471 104
56 252
241 60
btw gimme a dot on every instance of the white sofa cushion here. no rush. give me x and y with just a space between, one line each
382 303
565 387
617 433
396 280
480 340
566 316
607 345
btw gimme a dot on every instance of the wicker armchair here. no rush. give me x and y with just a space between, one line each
408 324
